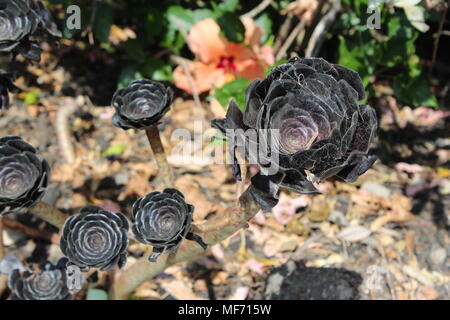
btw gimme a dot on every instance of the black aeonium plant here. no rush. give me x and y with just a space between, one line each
6 86
95 238
163 220
307 117
141 105
21 22
23 176
50 283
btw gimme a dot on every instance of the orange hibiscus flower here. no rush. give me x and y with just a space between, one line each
219 61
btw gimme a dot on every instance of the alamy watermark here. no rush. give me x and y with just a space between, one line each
73 18
75 278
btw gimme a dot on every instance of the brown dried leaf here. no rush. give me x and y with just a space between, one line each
354 233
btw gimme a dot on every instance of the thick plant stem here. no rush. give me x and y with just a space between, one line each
2 248
160 156
49 214
3 278
216 229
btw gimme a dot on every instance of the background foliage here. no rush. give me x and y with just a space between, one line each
161 26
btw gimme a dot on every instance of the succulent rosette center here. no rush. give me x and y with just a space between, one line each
50 283
163 219
166 223
17 176
298 129
20 19
95 238
308 121
23 176
141 104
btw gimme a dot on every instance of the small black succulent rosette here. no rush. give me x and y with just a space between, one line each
23 176
163 220
23 21
6 86
49 283
141 105
95 238
309 127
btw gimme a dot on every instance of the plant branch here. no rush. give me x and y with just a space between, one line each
184 63
258 9
438 36
283 32
216 229
290 39
35 234
63 132
160 156
3 278
49 214
321 29
2 248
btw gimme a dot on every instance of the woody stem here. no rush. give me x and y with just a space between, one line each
49 214
160 156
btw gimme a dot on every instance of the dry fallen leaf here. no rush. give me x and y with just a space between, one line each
353 233
398 209
195 196
180 290
280 242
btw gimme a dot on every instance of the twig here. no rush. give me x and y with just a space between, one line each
129 279
312 25
3 278
160 156
184 63
258 9
320 30
62 130
49 214
438 36
2 248
35 234
299 27
88 29
282 33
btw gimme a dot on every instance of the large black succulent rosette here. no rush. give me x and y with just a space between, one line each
6 86
23 176
95 238
163 220
50 283
141 105
307 117
21 22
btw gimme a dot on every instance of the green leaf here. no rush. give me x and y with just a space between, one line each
349 55
180 18
276 64
201 14
415 92
264 22
134 50
232 90
114 150
127 75
228 5
96 294
103 21
156 69
32 97
232 27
